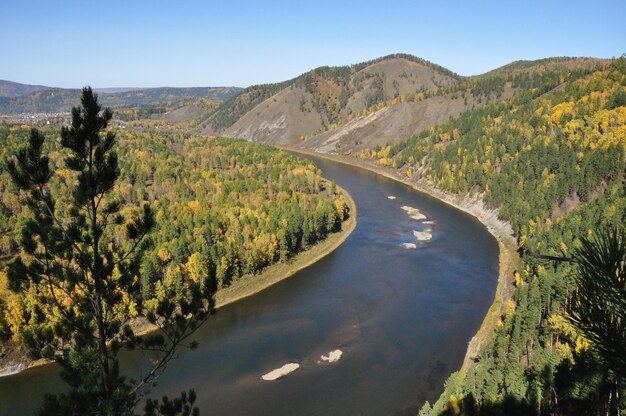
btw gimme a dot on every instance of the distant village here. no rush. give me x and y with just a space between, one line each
36 119
49 120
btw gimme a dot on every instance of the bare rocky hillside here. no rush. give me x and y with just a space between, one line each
323 99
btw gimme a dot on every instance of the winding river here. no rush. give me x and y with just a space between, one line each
402 317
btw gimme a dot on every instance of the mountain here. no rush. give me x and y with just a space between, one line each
58 100
287 112
166 94
15 89
115 90
375 103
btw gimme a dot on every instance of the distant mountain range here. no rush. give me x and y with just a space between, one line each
15 89
18 98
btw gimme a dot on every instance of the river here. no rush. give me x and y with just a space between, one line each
402 317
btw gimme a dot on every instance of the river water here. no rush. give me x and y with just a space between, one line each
402 317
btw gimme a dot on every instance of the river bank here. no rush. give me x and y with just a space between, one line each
499 229
18 360
248 286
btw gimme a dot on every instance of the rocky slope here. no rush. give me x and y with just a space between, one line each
325 98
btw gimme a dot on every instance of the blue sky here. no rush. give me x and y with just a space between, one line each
219 43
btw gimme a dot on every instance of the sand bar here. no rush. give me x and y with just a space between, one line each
281 372
423 235
332 356
414 213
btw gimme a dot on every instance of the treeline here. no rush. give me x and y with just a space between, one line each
553 165
541 75
223 208
533 78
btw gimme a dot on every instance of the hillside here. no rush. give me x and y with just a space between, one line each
15 89
550 160
392 123
395 120
543 65
353 108
60 100
322 98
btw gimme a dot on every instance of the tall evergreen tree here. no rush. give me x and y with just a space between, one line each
81 261
599 307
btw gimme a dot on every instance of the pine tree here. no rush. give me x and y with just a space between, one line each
599 307
86 275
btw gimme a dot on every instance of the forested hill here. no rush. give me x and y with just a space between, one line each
224 208
343 109
551 160
58 100
351 108
325 96
544 65
562 144
15 89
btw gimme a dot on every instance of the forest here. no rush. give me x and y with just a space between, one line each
223 208
551 160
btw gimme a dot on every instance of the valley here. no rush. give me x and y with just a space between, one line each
363 311
533 149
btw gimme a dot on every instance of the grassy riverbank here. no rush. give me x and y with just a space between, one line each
501 230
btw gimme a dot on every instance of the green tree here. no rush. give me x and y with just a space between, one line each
599 307
82 257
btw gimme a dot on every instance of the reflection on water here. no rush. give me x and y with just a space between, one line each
402 319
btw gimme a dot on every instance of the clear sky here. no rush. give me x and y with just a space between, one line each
222 43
